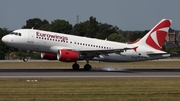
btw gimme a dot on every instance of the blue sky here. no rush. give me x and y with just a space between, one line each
125 14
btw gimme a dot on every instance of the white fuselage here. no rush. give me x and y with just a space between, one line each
50 42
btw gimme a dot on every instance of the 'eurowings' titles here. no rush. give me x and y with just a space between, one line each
39 34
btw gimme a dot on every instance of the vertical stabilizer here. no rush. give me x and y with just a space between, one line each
156 36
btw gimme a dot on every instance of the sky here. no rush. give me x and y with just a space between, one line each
125 14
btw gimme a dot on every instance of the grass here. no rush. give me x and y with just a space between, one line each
143 64
91 89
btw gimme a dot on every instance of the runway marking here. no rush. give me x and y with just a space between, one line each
149 76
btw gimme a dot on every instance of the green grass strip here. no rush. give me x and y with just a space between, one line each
91 89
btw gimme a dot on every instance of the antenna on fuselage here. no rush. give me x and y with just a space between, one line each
32 28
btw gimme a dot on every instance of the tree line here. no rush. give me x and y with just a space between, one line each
90 28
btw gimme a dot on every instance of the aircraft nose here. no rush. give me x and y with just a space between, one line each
5 39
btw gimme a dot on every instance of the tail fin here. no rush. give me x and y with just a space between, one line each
156 36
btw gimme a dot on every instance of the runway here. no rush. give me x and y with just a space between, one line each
94 73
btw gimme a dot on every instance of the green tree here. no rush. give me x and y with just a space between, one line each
104 30
45 27
35 23
134 35
61 26
116 37
4 49
92 27
80 29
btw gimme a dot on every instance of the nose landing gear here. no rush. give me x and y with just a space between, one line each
26 57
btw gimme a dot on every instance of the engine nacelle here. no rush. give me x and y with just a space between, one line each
49 56
67 56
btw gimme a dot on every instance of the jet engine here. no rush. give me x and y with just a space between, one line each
67 56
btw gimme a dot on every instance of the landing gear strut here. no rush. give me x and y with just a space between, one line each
87 66
26 57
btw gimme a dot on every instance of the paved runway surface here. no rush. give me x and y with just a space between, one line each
94 73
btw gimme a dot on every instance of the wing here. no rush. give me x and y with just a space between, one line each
96 53
86 53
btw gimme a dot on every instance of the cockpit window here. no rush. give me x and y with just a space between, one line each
16 33
12 33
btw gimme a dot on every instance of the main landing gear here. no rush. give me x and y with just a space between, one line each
75 66
87 66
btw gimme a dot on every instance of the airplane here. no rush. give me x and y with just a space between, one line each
71 48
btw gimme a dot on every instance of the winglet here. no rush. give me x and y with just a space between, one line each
135 48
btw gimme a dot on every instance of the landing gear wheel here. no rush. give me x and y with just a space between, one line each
75 66
25 59
87 67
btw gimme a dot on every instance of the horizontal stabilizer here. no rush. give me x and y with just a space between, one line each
156 53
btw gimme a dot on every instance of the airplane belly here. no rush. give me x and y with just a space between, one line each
123 57
113 57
